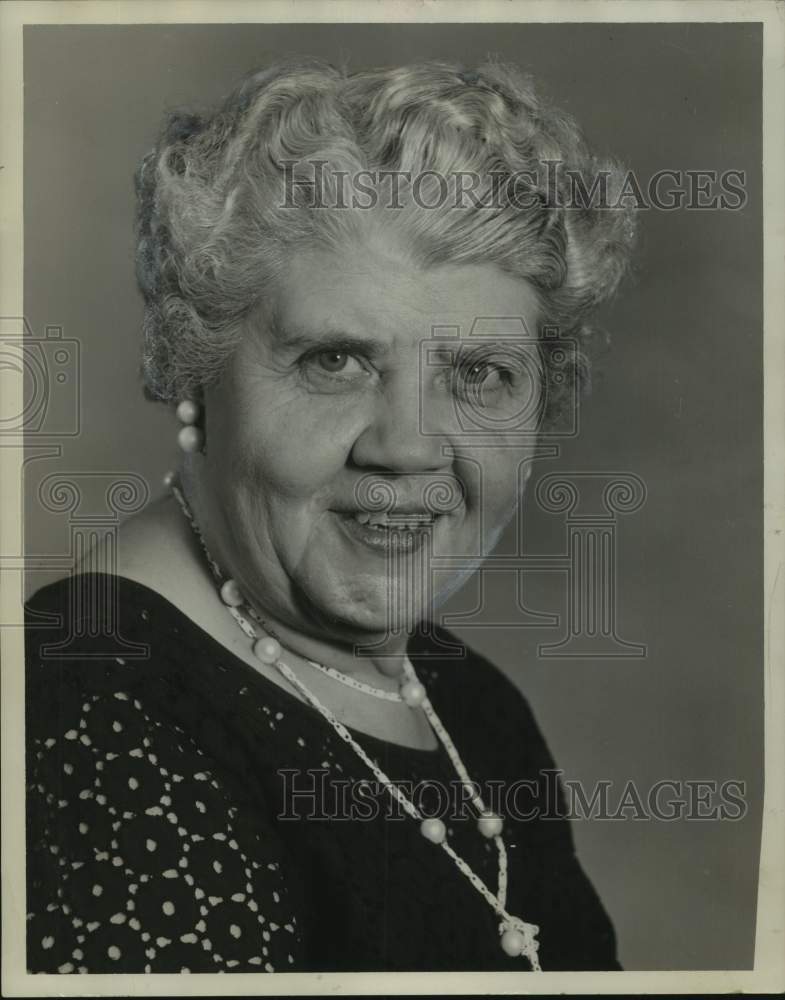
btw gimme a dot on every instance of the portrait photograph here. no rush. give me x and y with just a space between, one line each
392 440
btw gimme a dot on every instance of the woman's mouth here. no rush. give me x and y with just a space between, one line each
384 532
383 519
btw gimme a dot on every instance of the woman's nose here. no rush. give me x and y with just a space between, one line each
403 433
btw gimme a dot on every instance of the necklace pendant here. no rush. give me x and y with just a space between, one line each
520 939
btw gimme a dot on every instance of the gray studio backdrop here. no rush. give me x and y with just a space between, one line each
677 402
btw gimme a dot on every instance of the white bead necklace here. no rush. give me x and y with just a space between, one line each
517 937
409 691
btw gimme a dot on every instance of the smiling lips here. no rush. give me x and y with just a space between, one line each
385 533
384 519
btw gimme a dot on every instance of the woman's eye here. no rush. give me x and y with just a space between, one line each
484 377
331 370
337 362
488 375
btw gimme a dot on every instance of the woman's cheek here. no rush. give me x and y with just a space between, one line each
324 441
273 465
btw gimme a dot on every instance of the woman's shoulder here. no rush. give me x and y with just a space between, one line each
93 642
114 645
149 585
138 592
97 617
147 559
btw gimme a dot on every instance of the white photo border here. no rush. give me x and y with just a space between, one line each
768 975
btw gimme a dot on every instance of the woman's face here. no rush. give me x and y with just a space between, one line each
364 370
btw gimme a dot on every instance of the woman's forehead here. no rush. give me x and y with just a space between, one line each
368 290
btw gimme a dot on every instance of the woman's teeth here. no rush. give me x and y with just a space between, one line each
383 520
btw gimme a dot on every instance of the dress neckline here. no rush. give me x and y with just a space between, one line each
230 661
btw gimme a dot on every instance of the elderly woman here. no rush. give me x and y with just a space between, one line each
348 281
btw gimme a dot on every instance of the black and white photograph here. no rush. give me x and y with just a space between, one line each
392 422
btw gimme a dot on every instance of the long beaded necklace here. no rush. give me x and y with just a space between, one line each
517 938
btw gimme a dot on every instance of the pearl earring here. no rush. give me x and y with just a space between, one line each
191 437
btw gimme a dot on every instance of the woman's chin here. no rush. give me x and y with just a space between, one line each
373 613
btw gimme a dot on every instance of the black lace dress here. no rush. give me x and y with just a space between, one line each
185 814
